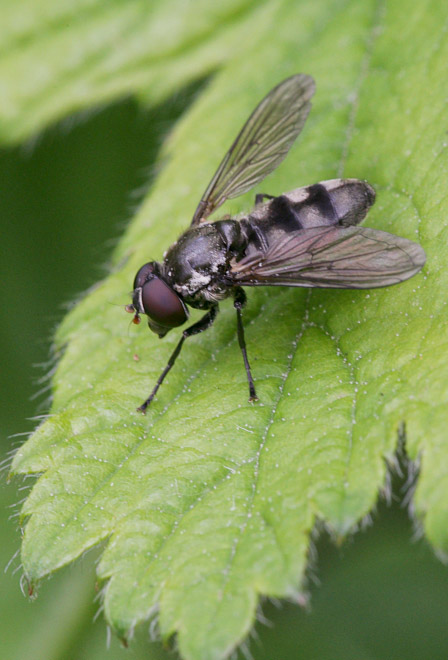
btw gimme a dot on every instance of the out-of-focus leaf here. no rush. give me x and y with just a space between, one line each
58 57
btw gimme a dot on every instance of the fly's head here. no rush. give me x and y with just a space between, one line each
152 296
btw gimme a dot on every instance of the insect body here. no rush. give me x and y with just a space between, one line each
308 237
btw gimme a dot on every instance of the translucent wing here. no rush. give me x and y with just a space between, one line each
334 257
262 144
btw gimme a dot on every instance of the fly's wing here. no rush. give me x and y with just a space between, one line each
331 257
262 144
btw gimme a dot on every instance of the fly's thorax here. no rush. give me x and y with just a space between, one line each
214 292
195 263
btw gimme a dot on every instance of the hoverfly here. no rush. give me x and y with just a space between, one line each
307 237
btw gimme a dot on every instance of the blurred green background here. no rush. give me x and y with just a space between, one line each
63 201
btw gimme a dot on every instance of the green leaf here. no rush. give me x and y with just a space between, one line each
208 502
58 57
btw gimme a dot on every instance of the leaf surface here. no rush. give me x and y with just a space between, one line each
208 502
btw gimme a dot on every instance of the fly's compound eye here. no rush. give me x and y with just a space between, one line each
144 273
162 304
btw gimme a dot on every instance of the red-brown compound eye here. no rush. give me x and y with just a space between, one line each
144 273
162 304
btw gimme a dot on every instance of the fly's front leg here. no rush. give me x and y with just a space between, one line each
260 197
239 303
203 323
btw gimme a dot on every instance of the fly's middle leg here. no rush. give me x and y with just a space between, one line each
239 303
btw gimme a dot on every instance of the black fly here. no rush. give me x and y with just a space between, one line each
308 237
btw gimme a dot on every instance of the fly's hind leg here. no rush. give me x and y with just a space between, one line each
260 197
239 303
